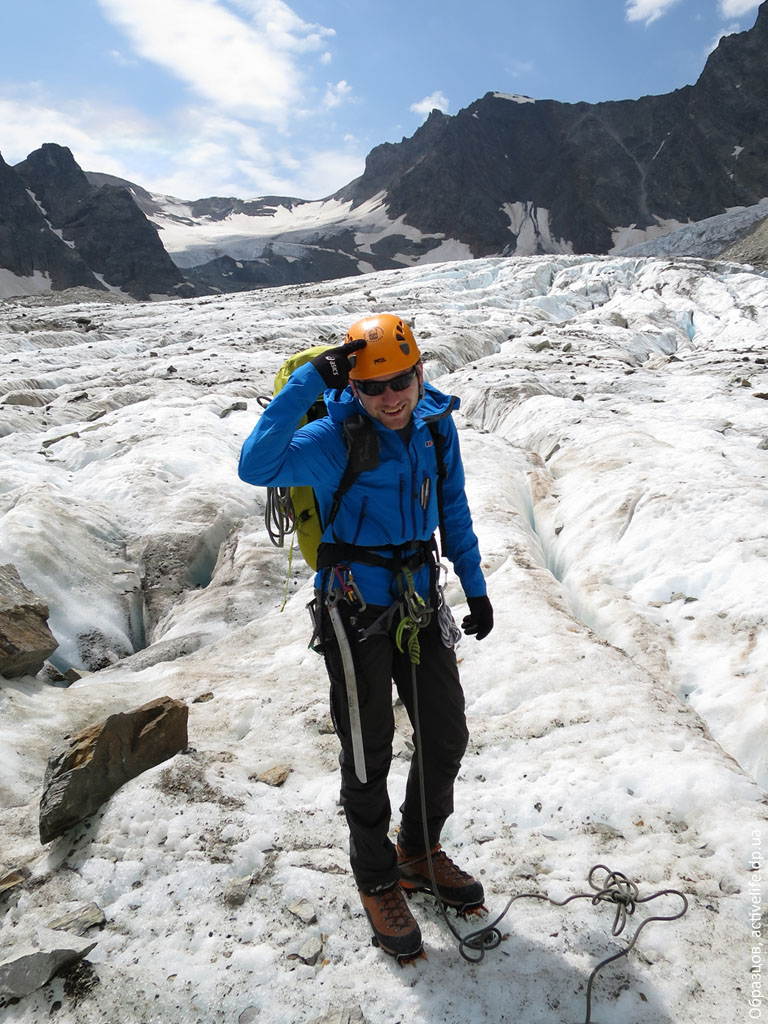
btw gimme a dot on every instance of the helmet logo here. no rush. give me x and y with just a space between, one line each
375 334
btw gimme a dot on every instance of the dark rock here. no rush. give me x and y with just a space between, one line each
28 965
117 241
25 639
86 770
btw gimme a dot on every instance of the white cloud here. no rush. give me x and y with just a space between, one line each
336 94
284 28
437 101
99 137
198 152
736 8
246 66
648 10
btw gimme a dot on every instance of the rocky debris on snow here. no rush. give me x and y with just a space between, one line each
309 952
97 649
351 1014
753 248
35 959
234 407
80 920
50 441
88 768
25 639
304 910
50 674
236 890
275 776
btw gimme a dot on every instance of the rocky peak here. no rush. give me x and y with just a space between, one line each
104 224
56 180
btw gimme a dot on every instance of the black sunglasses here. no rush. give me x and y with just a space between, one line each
378 387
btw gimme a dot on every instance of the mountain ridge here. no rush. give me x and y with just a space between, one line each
506 175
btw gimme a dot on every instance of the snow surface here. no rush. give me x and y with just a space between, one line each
613 425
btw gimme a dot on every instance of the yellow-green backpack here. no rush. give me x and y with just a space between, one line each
294 510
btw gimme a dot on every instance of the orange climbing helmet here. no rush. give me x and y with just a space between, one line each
390 346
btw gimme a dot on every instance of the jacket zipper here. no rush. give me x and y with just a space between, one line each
360 519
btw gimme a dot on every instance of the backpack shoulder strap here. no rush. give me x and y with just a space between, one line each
363 447
442 472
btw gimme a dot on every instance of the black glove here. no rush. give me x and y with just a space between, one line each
479 622
333 365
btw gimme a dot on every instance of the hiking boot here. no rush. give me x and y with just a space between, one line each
394 927
455 887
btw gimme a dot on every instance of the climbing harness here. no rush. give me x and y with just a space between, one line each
416 614
348 591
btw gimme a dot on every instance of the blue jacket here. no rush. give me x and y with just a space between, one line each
384 505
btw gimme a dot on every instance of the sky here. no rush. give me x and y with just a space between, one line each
194 98
613 426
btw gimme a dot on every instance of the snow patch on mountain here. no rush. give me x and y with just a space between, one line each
530 225
513 97
13 284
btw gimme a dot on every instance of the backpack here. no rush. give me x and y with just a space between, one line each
294 510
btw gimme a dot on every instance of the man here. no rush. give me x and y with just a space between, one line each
377 568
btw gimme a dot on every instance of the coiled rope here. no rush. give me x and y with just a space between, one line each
617 889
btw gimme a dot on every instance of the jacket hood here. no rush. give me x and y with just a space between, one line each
434 405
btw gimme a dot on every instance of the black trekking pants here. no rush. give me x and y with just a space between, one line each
444 738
